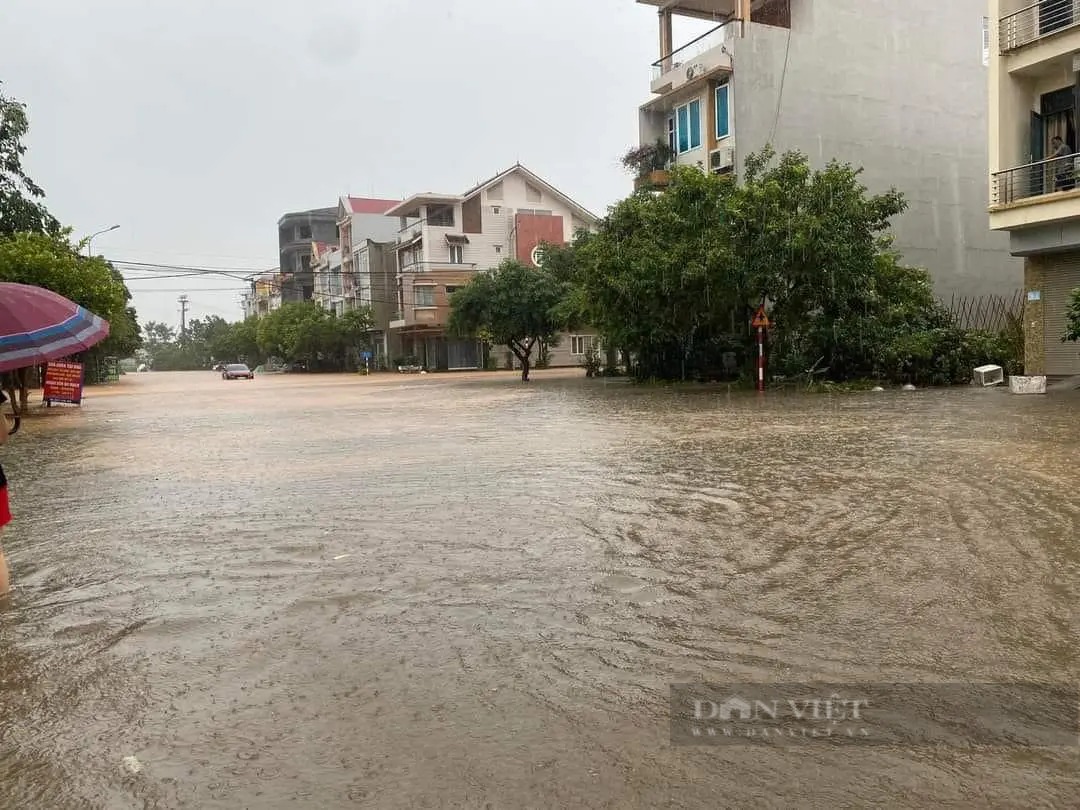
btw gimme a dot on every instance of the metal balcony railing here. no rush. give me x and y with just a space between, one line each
1036 21
1034 180
712 38
427 267
441 220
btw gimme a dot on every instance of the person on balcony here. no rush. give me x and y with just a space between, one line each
1064 178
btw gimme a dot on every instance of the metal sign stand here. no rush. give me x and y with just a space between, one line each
761 323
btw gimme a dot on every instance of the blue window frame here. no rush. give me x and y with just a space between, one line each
688 126
723 112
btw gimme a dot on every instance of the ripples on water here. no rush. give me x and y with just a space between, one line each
433 593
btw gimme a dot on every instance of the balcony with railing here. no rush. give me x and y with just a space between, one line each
1034 180
442 216
422 316
1046 192
430 267
409 233
702 55
1036 22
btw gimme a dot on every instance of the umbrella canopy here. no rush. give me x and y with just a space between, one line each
37 325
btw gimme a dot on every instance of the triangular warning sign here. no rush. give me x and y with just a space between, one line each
760 318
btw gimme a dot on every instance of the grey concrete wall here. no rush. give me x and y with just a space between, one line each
376 227
323 224
1052 237
382 266
900 89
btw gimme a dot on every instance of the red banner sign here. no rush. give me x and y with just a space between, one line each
63 382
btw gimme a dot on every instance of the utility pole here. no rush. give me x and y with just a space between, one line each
183 299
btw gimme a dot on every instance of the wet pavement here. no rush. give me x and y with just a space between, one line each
439 591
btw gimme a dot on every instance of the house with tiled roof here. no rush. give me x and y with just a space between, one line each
443 240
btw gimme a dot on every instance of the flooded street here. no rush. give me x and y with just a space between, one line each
439 591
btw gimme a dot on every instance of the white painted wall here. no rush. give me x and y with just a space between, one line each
496 243
653 123
899 89
376 227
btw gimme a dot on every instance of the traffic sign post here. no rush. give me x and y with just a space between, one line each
761 323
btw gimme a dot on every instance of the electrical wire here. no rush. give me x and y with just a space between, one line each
780 93
163 271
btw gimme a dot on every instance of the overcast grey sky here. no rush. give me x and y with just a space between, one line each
194 124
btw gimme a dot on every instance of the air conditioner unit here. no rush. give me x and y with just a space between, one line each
694 71
721 160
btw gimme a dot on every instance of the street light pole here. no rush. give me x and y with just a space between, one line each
90 238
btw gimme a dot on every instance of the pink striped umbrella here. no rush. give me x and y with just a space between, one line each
37 325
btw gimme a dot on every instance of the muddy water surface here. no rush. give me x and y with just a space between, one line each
463 592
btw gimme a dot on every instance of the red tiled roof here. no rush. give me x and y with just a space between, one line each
368 205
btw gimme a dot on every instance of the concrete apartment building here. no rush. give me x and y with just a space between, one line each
327 278
375 273
360 219
894 87
1034 84
264 296
296 233
443 240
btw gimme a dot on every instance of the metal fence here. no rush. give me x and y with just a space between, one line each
991 313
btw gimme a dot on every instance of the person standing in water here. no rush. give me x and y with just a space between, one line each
5 511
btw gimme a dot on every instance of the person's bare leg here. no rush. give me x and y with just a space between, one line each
5 580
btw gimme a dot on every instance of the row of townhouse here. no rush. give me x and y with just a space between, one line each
264 295
1034 97
896 88
404 259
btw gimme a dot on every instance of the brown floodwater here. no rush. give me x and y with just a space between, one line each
441 591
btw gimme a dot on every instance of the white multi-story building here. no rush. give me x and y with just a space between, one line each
329 292
1034 82
444 239
361 219
892 87
264 296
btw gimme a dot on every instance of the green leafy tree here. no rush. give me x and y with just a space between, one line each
297 332
124 335
238 342
513 305
21 207
809 242
51 261
156 333
672 279
658 279
1072 316
307 333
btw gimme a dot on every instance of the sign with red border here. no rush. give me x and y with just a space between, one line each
63 382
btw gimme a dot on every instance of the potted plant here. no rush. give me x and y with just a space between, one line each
649 163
